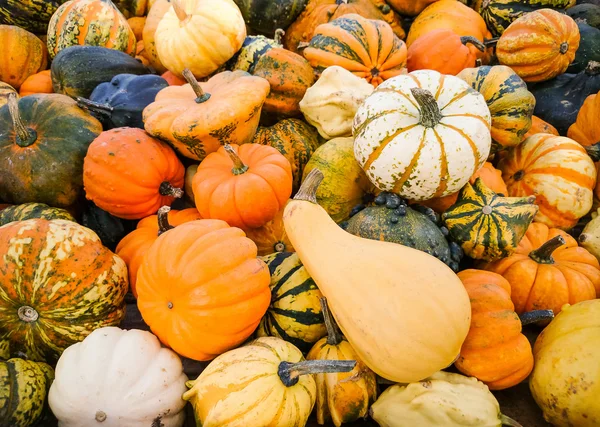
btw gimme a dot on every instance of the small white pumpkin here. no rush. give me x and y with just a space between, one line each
422 135
118 378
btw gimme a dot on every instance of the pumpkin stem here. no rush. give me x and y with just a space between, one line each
278 37
163 220
593 151
536 316
27 314
333 336
94 107
543 254
428 106
201 96
238 166
490 42
289 373
592 68
25 136
508 421
473 40
100 416
166 189
279 247
303 45
179 10
308 189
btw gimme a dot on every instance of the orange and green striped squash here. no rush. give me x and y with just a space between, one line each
90 23
57 284
32 210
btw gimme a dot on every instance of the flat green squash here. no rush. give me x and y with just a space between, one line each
27 211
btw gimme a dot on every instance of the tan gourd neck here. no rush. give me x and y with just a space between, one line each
475 42
289 373
308 189
333 336
24 136
201 96
543 254
508 421
163 220
167 190
238 166
428 107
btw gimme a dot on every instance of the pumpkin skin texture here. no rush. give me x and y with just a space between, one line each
271 238
540 126
98 382
546 278
373 63
43 313
511 104
31 15
266 16
23 55
539 45
244 185
295 313
37 83
32 210
156 13
130 174
23 388
402 116
26 155
220 305
5 91
183 40
197 126
585 130
564 382
558 171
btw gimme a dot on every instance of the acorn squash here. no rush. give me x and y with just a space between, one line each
32 210
253 48
266 16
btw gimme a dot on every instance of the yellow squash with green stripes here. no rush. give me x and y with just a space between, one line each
27 211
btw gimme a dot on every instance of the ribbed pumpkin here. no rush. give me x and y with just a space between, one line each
511 104
47 302
539 45
90 23
586 129
540 126
486 225
157 11
5 91
130 174
32 210
23 55
558 171
31 15
37 83
295 313
366 47
271 238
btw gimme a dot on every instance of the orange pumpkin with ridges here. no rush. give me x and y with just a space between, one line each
23 54
37 83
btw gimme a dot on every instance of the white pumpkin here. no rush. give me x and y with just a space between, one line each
422 135
118 378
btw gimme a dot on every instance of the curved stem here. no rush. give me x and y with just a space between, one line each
543 254
201 96
278 37
490 42
179 10
25 135
238 166
166 189
163 220
333 336
592 68
289 373
593 151
508 421
94 107
470 39
536 316
308 189
428 106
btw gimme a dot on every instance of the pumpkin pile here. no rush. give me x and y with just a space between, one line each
299 212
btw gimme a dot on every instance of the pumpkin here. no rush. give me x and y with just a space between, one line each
32 210
269 376
587 13
499 14
295 140
373 63
137 24
130 174
295 313
134 246
558 171
410 7
109 228
365 295
77 70
120 102
172 79
23 55
198 118
23 388
589 48
391 220
585 129
289 76
423 108
271 238
37 83
331 103
511 104
90 23
47 303
244 185
31 15
486 225
99 380
548 270
220 305
31 168
345 396
540 126
183 40
319 12
551 41
253 48
5 91
266 16
156 13
444 51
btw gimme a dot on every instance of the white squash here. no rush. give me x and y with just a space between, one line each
422 135
118 378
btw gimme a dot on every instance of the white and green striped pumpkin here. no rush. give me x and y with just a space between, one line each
422 135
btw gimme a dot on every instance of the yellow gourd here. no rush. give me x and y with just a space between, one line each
405 313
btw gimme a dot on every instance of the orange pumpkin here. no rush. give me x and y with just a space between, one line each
444 51
134 246
171 78
37 83
130 174
201 288
244 185
410 7
23 55
548 270
373 51
198 118
271 237
540 126
137 24
157 11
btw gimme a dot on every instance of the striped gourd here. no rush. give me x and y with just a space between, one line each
90 23
253 48
32 210
295 311
488 226
31 15
511 104
422 135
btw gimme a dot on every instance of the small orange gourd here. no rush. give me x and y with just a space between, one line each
37 83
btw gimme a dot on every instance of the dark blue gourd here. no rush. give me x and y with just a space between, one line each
120 102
